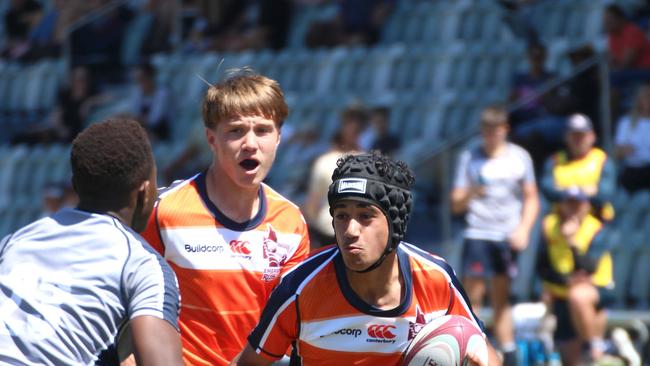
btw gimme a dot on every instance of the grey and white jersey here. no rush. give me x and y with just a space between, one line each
496 214
70 281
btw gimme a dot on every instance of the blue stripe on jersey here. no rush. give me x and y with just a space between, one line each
362 306
171 297
287 289
455 283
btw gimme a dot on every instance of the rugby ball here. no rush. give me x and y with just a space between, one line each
445 341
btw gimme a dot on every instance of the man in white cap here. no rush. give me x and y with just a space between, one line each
582 165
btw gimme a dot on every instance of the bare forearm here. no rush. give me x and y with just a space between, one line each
529 211
459 201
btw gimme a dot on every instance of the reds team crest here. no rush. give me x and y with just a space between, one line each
274 253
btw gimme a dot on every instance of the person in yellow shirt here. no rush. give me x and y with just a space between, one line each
581 165
576 270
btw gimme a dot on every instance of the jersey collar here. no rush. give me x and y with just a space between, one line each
362 306
224 220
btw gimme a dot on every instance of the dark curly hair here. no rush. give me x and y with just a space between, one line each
109 160
378 180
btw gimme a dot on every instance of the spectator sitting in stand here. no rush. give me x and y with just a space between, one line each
299 150
633 143
537 124
378 136
358 22
253 24
629 48
19 19
152 104
75 102
576 269
582 165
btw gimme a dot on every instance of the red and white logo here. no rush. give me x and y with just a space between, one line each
272 251
275 253
381 331
418 324
240 247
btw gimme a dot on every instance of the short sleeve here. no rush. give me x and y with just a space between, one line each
461 179
529 171
150 285
278 325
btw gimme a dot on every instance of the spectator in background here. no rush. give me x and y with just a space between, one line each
378 136
537 124
519 17
67 119
299 149
97 45
45 39
316 208
633 143
628 45
495 187
582 165
358 22
526 84
152 104
194 157
252 24
19 20
75 103
159 36
576 269
629 48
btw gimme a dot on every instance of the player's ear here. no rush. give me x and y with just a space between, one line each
144 195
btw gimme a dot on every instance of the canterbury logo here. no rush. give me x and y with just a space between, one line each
381 331
240 247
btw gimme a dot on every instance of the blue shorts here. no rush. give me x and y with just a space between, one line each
565 330
486 258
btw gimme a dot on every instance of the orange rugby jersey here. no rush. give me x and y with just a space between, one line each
315 310
226 270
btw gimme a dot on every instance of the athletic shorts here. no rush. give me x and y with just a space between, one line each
486 258
565 330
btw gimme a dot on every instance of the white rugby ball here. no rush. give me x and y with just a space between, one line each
445 341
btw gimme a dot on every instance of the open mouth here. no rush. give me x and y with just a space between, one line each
249 164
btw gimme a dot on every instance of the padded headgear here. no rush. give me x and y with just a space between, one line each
379 181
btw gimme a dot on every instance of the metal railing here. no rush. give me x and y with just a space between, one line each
442 156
